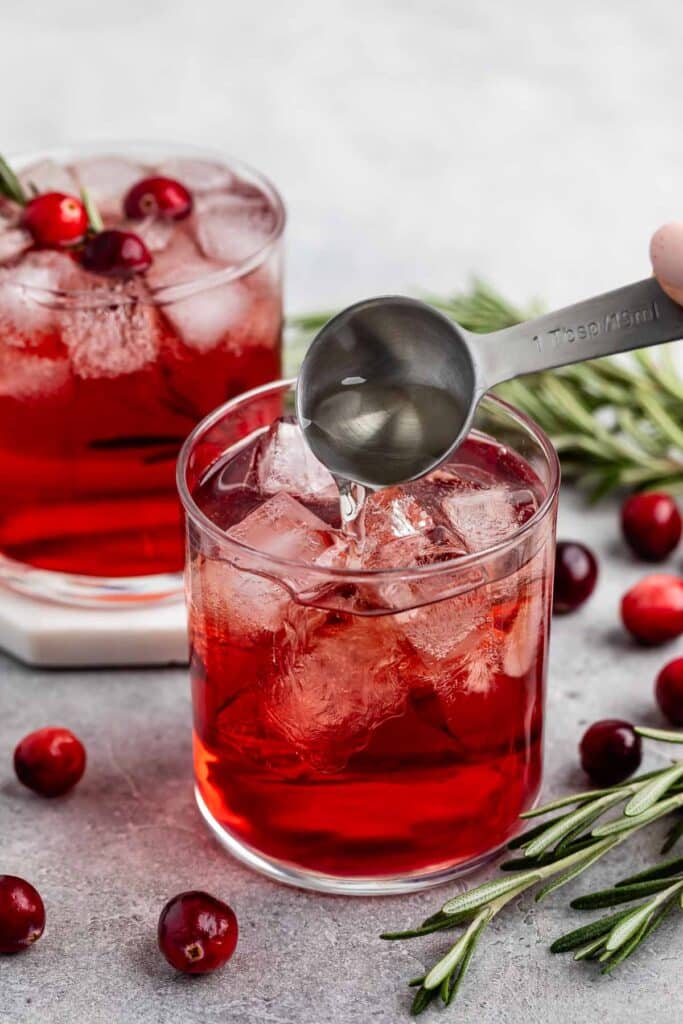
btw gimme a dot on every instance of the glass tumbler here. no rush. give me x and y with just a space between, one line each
362 730
102 379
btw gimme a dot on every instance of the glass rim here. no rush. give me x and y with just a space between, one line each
464 562
164 293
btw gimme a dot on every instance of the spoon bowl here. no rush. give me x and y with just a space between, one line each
386 391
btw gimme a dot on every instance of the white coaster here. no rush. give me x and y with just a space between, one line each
52 635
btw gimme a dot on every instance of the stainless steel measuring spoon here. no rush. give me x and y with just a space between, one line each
389 386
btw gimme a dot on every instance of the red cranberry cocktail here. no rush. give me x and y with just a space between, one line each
368 703
139 289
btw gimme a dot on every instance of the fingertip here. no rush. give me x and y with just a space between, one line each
666 255
675 293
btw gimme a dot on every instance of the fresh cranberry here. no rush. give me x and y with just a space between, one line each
197 933
22 914
652 610
669 691
158 197
56 220
651 524
576 573
49 761
116 253
610 751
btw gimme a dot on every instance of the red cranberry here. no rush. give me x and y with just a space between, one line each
158 197
197 933
22 914
49 761
651 524
55 219
116 253
576 573
669 691
652 611
610 751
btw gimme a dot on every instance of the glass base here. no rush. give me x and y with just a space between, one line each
89 591
316 881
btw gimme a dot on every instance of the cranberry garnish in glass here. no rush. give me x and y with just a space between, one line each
108 359
368 700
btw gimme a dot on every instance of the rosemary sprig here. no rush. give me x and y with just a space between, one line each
95 222
10 186
614 938
662 735
616 423
555 852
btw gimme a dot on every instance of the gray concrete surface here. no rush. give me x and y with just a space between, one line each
107 857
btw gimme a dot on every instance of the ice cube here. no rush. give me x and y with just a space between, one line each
391 515
26 374
109 327
241 500
241 601
457 651
489 706
494 623
203 316
285 463
443 483
486 517
155 232
394 530
522 606
179 263
33 360
231 228
13 242
520 646
480 708
442 633
206 319
236 606
48 176
399 532
10 213
27 294
283 527
107 179
479 654
262 327
198 176
340 677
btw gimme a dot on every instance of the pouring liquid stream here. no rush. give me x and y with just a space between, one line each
352 499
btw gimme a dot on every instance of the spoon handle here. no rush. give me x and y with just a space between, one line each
635 316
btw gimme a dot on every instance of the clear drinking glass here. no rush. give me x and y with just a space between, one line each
377 729
101 380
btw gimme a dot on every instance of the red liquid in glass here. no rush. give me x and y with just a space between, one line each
379 743
100 386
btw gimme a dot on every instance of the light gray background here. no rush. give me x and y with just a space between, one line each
414 143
